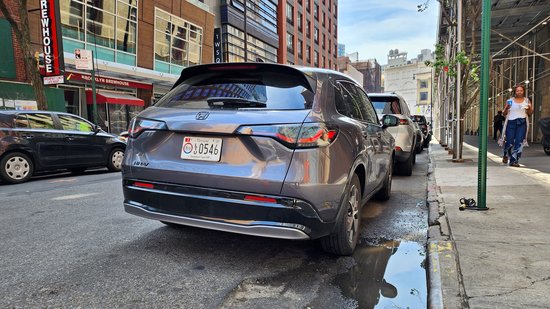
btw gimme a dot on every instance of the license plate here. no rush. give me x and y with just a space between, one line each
201 148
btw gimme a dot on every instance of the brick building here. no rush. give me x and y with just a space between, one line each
140 47
308 32
372 74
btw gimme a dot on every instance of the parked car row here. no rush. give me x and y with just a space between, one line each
33 141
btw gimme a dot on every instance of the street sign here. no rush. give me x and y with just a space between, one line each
51 80
83 59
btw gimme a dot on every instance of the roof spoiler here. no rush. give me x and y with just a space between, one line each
228 68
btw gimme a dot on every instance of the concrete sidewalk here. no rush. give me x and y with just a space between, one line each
498 258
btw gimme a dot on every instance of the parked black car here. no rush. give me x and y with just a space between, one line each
32 141
423 124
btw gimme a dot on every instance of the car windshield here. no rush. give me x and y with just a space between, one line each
386 105
238 95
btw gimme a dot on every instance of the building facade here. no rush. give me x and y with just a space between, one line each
308 32
345 66
249 30
411 79
139 48
372 74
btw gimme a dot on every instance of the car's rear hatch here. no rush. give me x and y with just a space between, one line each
224 127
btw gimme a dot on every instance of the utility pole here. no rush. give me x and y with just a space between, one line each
483 108
457 154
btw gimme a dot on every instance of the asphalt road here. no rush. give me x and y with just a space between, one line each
67 242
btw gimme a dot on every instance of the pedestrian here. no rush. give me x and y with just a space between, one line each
498 121
517 109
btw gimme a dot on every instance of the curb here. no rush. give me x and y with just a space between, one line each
445 286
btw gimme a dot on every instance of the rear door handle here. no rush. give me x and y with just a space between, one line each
28 136
70 138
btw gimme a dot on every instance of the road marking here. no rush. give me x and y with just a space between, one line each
73 197
62 180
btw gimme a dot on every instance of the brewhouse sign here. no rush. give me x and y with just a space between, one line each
51 40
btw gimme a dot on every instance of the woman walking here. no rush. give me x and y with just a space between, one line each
517 109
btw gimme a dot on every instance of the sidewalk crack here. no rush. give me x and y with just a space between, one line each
514 290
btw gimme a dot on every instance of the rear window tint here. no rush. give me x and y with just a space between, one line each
209 94
40 121
386 105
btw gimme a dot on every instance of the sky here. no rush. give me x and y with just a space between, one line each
373 27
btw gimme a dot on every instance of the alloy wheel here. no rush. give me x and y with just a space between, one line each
352 220
116 159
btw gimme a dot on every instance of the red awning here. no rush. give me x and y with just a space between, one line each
114 98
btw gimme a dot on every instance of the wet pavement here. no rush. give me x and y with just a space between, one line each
72 245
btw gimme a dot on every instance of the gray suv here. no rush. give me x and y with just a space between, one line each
260 149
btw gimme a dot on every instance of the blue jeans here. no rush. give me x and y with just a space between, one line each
515 134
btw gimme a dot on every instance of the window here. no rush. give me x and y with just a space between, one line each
323 19
71 123
316 59
423 84
299 21
40 121
316 35
316 11
308 29
178 43
233 39
300 47
290 42
289 13
423 96
308 5
21 121
108 27
370 113
308 54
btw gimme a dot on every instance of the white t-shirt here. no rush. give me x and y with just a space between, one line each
518 110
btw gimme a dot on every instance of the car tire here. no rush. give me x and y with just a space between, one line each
547 150
114 164
384 193
77 171
343 239
405 168
16 167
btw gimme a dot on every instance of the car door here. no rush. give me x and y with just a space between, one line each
86 147
380 138
357 111
47 142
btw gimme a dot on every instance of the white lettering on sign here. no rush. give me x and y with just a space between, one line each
49 39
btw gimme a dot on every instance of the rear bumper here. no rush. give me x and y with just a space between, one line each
402 156
277 217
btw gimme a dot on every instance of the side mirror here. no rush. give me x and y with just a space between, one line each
389 121
96 129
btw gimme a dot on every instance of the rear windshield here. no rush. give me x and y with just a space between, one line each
419 119
386 105
244 94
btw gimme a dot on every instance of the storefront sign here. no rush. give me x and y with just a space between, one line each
83 78
51 38
218 52
51 80
83 59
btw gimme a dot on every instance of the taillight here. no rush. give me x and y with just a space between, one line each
403 122
139 125
307 135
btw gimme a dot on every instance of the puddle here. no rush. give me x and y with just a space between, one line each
388 275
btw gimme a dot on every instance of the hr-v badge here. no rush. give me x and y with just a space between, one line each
202 115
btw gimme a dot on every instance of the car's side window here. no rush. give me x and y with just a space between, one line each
405 108
71 123
352 99
339 101
40 121
370 113
21 121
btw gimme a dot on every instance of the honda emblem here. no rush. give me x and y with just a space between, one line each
202 115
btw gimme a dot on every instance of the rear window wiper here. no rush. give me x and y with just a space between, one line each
233 102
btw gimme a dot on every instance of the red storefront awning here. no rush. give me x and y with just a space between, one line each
114 98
